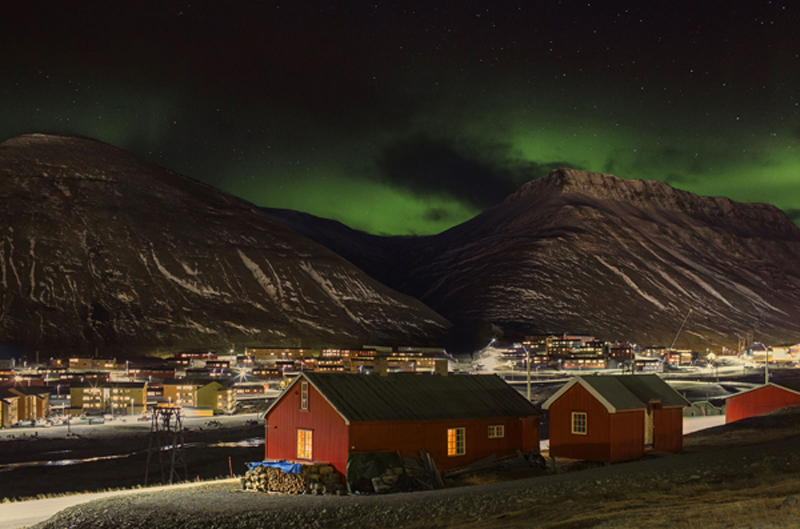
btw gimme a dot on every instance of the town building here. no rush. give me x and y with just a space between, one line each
108 397
456 419
34 401
9 413
89 364
761 400
615 418
216 395
261 355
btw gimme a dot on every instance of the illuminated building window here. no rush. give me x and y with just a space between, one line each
579 423
304 395
456 442
304 444
497 431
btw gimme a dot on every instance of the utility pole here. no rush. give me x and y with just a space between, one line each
672 347
528 365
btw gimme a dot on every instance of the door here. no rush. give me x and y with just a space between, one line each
648 428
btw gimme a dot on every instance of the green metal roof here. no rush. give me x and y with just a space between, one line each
414 397
627 392
792 385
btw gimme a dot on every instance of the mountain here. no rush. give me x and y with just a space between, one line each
101 250
586 252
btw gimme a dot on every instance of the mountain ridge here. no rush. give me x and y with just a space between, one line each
100 249
539 261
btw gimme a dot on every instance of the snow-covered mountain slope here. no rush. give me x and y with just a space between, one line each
621 259
101 249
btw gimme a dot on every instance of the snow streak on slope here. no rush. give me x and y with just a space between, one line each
187 267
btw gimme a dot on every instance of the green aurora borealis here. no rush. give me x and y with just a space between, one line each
404 119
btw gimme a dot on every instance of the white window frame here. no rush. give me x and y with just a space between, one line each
497 431
305 444
580 423
456 442
304 395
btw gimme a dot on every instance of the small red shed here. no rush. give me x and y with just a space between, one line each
615 418
763 399
456 419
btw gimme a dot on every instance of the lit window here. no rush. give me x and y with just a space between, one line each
304 443
304 395
497 431
579 423
456 442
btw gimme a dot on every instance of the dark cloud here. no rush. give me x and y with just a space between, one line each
436 214
480 175
680 178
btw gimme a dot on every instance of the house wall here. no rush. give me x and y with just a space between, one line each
26 407
668 429
217 397
181 394
8 412
409 437
626 435
330 433
595 444
609 436
759 401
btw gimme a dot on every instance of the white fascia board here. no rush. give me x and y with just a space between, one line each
579 380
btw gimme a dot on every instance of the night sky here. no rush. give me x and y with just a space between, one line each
411 117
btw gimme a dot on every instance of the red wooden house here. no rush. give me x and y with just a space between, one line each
456 419
615 418
763 399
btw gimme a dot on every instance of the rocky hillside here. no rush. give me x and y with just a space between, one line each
587 252
102 250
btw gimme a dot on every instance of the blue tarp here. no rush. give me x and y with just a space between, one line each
287 466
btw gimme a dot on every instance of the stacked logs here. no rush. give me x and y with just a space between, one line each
265 479
313 479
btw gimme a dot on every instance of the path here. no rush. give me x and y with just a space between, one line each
27 513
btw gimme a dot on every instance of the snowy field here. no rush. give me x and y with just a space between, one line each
120 426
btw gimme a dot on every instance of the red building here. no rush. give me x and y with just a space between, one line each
456 419
763 399
615 418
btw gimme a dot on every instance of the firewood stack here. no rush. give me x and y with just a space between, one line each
318 478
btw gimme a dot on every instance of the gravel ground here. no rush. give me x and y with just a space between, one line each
549 501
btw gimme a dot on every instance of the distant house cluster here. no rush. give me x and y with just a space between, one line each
199 381
585 352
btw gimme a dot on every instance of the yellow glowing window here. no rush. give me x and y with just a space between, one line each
304 443
579 423
456 442
497 431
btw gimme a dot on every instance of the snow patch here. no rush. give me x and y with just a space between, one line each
32 253
188 269
273 289
200 328
328 288
188 285
708 288
245 330
630 283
